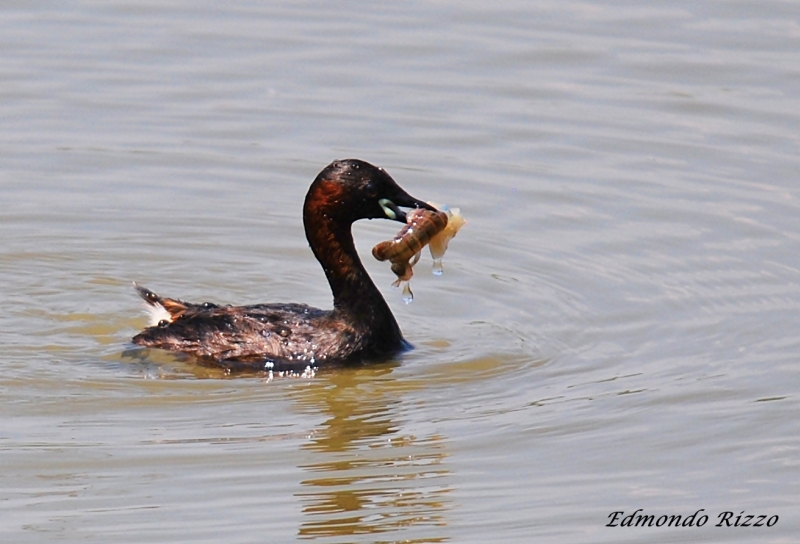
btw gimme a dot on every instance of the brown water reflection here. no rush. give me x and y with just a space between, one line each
372 475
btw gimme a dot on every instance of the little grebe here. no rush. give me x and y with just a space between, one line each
293 336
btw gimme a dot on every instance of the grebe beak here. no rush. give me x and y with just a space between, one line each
391 207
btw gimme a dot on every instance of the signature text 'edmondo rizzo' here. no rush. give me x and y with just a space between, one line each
724 519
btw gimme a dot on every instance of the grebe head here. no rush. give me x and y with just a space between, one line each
351 189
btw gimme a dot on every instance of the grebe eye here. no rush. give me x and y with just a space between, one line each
370 190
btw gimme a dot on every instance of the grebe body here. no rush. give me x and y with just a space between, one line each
359 328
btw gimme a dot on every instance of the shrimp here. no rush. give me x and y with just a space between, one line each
438 242
423 227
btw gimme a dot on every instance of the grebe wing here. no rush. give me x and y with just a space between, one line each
284 334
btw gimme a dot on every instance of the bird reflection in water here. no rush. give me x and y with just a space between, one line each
371 477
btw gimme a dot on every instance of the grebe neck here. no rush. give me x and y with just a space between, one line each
355 296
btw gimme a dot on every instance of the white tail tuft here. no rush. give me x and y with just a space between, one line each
157 314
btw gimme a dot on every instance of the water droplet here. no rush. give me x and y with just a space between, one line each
408 296
437 267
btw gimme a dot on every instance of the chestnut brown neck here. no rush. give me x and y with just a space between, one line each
355 296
